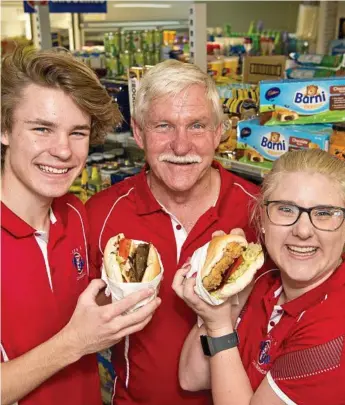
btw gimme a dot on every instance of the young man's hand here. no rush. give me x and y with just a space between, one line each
93 328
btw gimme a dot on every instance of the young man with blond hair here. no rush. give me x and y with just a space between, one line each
52 106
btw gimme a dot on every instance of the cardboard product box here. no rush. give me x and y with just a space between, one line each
315 101
262 145
135 75
257 68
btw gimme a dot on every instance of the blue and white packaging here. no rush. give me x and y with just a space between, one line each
264 144
316 101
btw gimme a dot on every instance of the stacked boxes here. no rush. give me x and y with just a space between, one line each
302 101
262 145
293 114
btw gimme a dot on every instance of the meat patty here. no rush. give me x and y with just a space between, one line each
140 261
214 279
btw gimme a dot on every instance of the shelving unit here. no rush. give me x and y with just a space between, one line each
250 172
94 31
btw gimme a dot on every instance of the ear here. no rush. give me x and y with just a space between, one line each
138 134
4 138
217 135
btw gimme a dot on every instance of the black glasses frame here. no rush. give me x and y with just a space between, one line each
308 211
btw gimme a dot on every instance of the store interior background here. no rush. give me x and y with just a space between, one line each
275 15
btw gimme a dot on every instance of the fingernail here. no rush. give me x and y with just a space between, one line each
194 275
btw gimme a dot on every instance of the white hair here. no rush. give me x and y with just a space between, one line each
170 78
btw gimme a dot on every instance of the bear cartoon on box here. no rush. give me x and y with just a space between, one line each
275 137
312 90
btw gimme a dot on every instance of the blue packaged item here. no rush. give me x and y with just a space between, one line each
311 73
316 101
131 171
117 177
319 61
262 145
337 47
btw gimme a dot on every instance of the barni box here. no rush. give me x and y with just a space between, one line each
262 145
297 102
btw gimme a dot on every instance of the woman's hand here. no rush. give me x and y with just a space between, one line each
216 317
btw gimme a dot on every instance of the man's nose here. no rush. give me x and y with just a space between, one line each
61 147
181 143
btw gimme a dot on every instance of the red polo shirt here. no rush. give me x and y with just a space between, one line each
149 366
299 346
33 309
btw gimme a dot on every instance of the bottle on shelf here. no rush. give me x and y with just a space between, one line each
95 183
84 186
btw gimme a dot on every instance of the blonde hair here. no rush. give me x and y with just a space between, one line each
169 78
307 161
56 69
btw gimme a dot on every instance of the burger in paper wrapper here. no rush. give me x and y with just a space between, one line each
224 267
131 265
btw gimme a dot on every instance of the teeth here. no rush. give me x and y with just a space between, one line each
48 169
300 249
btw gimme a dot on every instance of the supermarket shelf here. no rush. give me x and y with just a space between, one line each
103 26
251 172
125 138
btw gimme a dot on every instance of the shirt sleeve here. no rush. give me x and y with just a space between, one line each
311 375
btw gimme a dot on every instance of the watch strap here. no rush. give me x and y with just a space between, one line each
213 345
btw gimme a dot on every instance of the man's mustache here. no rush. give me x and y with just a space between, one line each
180 159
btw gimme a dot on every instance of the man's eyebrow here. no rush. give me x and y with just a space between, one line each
50 124
81 127
39 121
201 118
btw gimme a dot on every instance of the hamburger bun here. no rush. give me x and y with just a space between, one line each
230 265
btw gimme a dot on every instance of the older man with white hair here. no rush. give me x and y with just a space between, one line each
180 198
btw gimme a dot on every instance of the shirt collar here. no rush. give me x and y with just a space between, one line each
146 202
311 298
13 224
17 226
316 295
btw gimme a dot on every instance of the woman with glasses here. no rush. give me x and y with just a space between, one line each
287 346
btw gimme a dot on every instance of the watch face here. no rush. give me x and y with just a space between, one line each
205 346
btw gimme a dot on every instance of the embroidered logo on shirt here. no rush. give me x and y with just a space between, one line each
264 357
78 263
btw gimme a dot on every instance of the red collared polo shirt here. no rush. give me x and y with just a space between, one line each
299 346
147 366
34 308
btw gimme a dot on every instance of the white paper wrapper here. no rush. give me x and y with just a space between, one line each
197 262
121 290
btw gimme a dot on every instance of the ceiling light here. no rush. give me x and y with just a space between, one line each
141 5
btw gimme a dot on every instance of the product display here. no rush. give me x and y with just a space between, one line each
104 169
261 145
337 141
289 102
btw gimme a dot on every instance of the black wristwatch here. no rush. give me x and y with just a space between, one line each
213 345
